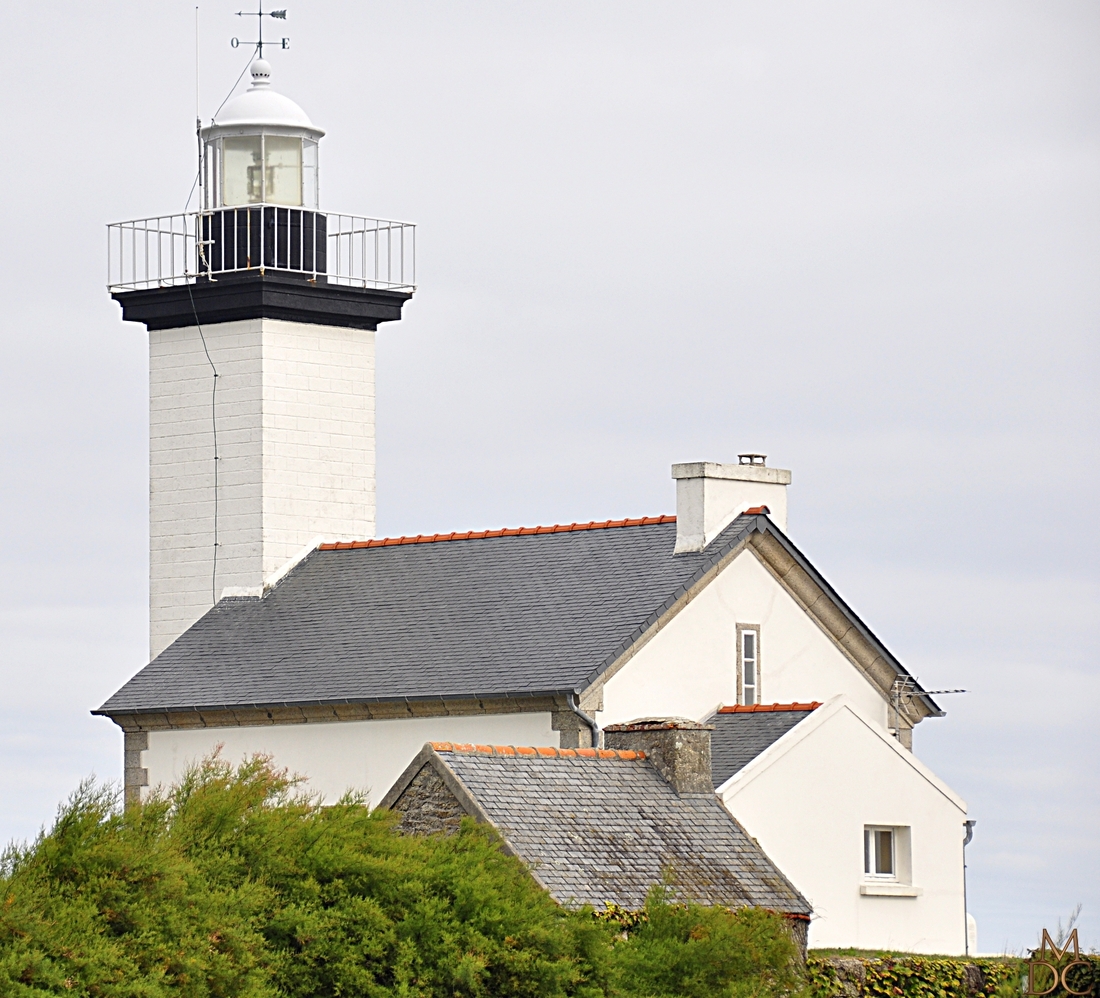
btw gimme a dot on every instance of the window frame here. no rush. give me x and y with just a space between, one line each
872 841
901 854
742 630
308 170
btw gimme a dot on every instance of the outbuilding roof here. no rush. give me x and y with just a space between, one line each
604 826
511 613
742 733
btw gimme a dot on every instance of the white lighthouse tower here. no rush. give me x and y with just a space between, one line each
261 311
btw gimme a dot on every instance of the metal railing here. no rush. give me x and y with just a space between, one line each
330 247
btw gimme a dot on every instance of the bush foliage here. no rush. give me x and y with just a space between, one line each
917 977
235 885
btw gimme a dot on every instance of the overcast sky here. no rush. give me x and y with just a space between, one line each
860 237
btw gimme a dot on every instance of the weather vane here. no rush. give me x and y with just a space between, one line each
260 14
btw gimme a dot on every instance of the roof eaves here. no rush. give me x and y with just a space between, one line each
107 711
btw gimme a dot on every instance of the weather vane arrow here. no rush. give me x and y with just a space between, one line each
260 14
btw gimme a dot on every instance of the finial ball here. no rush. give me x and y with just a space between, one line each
261 71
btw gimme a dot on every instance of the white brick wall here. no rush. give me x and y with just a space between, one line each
295 415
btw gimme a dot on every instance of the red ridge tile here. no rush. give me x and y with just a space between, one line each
477 535
767 708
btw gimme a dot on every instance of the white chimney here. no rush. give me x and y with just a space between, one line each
709 496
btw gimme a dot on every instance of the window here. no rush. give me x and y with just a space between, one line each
283 170
888 862
748 664
242 176
878 853
264 169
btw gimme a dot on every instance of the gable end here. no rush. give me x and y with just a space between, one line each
427 805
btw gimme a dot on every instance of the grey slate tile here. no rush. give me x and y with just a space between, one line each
518 615
739 738
611 828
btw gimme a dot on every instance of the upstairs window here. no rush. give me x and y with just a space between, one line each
748 664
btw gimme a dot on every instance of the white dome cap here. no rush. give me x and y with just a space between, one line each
260 106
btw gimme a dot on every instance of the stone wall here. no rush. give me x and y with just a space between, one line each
909 976
427 805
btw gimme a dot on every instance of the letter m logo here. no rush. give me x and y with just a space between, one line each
1049 949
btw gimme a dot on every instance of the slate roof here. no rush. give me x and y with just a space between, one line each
598 827
742 733
494 614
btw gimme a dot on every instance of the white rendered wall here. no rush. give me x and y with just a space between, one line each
807 800
295 419
341 755
698 647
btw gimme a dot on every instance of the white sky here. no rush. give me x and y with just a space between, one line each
860 237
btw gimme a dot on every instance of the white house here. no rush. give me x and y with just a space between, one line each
280 625
867 832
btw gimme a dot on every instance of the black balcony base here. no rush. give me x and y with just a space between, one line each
254 295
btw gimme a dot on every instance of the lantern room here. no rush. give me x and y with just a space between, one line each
260 149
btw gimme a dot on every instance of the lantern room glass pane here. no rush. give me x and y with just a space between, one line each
242 170
309 174
283 169
211 162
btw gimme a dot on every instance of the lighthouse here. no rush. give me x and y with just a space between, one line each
261 310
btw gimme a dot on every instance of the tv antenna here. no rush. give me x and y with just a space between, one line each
260 14
905 690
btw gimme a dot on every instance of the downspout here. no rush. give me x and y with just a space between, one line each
590 721
966 914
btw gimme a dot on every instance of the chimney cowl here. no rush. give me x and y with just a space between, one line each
677 747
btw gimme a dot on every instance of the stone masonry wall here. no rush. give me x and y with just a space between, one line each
428 806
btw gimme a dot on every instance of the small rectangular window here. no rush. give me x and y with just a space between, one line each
748 655
878 853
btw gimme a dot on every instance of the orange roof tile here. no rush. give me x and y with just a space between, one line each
476 535
544 751
756 511
765 708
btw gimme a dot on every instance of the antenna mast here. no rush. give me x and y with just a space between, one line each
198 118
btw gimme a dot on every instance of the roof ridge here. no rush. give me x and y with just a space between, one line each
766 708
476 535
545 752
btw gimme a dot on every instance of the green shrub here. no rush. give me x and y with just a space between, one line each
234 885
916 977
690 950
231 885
